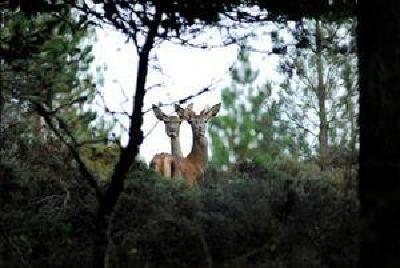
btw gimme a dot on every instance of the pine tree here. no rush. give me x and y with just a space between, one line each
251 129
46 60
51 68
315 91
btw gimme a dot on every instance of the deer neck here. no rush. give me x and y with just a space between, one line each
199 153
176 146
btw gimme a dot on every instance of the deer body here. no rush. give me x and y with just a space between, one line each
162 163
193 166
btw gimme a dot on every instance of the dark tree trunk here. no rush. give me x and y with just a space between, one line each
1 117
352 115
128 154
379 51
321 95
1 105
352 151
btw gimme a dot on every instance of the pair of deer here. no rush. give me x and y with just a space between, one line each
192 166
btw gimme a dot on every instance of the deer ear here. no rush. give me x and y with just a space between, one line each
205 110
213 111
184 113
180 111
158 113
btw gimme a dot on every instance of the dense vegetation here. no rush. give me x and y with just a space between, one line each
69 196
248 217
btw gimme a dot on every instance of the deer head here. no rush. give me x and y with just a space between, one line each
198 122
172 128
172 123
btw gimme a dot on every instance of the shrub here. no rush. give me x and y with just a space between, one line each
250 216
235 220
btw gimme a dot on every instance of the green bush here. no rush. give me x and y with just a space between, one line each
234 220
250 216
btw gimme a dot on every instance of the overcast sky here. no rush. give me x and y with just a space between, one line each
184 72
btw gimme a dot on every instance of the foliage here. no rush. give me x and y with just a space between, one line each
46 60
236 222
53 56
45 208
100 158
250 217
251 130
298 9
320 89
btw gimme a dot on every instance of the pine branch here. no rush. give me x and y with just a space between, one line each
62 132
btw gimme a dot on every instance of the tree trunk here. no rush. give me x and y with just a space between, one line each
128 154
321 95
1 117
379 52
351 155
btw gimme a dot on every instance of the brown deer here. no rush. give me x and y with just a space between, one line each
162 162
193 166
172 128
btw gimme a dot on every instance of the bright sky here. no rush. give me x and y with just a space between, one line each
184 71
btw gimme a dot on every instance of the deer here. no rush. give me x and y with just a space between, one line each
162 162
172 128
193 166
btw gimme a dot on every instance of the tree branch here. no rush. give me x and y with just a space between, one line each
298 124
72 102
72 146
181 101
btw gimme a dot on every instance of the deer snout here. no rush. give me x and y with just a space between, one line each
172 135
172 132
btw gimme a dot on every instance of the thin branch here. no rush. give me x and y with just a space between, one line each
153 86
124 113
246 18
308 81
72 102
151 129
181 101
206 89
72 146
298 125
108 110
226 43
